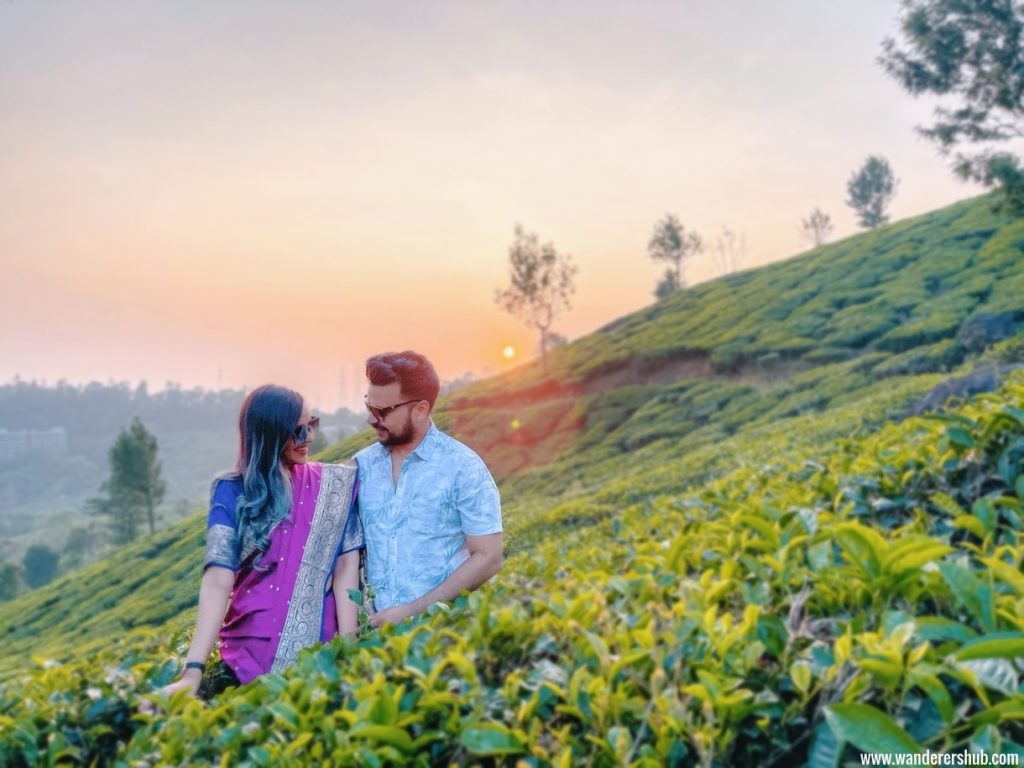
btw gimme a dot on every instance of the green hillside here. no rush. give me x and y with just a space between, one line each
720 551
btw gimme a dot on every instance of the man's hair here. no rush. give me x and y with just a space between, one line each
414 373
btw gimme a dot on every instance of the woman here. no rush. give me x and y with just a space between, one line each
282 548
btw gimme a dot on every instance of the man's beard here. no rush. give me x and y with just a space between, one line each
398 437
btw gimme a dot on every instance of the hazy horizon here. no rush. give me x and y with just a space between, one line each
231 194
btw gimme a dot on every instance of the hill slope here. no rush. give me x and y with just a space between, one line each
711 457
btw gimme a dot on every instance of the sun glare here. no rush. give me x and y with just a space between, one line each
509 352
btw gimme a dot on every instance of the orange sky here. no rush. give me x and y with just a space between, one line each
233 193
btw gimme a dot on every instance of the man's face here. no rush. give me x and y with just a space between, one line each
394 426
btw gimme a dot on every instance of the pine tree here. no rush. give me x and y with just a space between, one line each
135 486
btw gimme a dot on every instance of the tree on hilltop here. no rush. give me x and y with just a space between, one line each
870 190
816 228
135 486
672 244
972 50
541 283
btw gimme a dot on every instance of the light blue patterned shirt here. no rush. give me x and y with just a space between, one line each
415 530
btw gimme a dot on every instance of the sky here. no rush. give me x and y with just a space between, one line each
233 193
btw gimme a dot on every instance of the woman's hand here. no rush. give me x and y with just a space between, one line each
214 594
187 682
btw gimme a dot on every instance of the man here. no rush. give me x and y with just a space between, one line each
429 507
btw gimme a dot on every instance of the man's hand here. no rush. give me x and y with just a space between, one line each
393 615
484 561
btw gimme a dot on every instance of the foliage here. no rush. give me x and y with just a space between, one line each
870 190
40 565
816 228
972 50
703 566
11 576
672 244
135 485
81 543
867 600
541 282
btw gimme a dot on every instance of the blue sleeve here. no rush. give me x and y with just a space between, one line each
477 500
221 541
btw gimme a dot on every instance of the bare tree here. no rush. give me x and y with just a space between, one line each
729 250
672 244
541 282
816 228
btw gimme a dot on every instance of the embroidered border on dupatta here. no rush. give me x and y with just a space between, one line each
302 626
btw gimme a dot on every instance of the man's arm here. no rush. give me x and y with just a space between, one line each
484 561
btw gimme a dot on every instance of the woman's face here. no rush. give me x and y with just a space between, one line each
298 453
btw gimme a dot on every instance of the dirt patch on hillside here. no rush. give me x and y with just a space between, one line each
653 371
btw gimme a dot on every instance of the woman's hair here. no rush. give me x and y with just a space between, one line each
414 373
265 424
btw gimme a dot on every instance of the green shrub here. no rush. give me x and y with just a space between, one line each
933 358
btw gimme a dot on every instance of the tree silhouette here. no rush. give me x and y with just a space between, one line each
40 563
672 244
816 228
135 486
541 282
972 50
870 190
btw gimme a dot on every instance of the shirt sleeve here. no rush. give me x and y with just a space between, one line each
221 542
477 500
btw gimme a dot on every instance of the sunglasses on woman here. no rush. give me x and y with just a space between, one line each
303 430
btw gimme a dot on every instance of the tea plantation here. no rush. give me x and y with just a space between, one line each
728 543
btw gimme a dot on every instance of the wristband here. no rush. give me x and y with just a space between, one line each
196 665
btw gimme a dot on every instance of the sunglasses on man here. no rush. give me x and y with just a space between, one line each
382 413
303 430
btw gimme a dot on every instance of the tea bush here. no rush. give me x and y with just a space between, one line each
862 597
719 552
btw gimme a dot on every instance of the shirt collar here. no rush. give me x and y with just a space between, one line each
425 450
428 444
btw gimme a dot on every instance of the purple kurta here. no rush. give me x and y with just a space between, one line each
260 611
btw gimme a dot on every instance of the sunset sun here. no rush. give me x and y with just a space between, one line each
509 352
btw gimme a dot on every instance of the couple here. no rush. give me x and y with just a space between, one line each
284 535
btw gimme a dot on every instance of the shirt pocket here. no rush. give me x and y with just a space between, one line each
430 514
